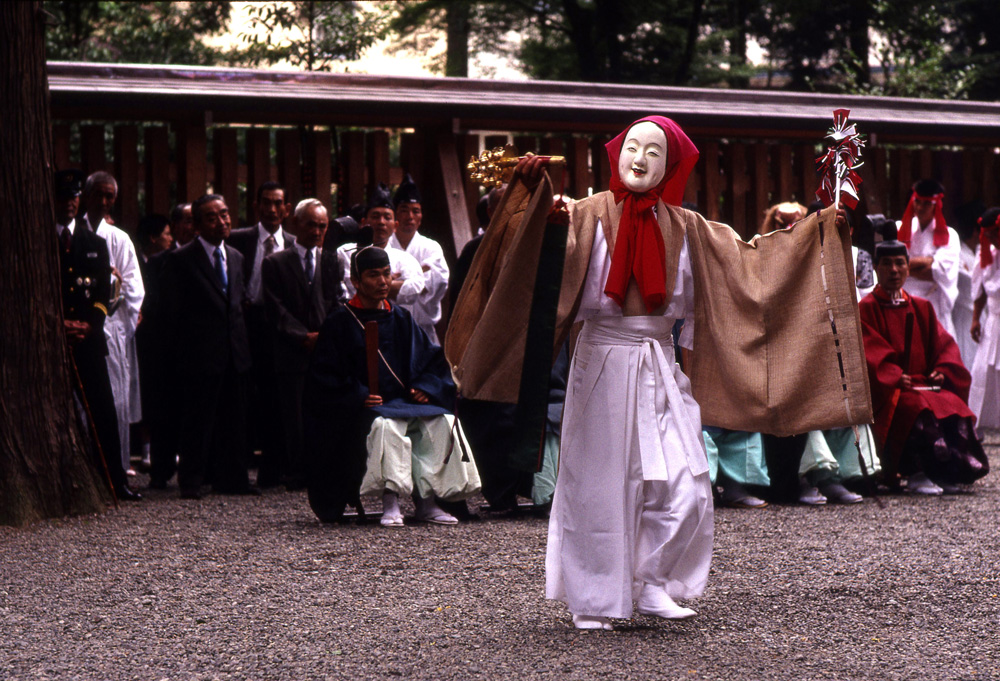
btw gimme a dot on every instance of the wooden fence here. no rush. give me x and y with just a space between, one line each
734 182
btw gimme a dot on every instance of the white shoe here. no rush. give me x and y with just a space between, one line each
810 496
839 494
591 622
392 520
921 484
653 600
429 512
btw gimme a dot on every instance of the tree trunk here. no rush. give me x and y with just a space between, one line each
45 469
457 58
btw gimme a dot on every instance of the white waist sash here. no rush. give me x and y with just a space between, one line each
665 411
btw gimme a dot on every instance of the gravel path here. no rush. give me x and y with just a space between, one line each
256 588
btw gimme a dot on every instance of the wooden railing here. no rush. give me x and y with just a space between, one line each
735 180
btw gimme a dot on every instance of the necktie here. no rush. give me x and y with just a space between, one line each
66 240
309 266
269 245
220 269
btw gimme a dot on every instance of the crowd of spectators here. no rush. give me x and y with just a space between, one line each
309 349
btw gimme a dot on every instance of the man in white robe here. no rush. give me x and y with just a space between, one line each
99 194
409 215
984 393
935 251
408 280
962 314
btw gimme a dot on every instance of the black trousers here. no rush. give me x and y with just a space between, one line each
290 388
213 442
263 404
93 369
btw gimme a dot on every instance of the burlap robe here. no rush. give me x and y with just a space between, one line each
776 350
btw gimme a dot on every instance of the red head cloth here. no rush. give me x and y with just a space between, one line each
639 248
985 227
940 226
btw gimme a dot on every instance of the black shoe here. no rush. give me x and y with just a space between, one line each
191 494
125 494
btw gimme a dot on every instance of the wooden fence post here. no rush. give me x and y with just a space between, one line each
126 161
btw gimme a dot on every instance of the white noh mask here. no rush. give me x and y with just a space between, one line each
643 160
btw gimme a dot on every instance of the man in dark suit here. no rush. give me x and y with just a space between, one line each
202 298
85 267
301 286
255 244
155 240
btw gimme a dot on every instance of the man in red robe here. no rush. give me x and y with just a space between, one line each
920 388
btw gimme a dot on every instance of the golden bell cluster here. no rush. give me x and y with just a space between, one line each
494 166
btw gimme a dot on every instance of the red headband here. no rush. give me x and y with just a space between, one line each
985 247
639 248
940 227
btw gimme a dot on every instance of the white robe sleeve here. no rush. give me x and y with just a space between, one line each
436 276
413 278
945 268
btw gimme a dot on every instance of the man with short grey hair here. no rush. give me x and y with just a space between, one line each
301 285
99 195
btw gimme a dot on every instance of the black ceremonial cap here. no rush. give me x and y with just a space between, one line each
368 258
884 249
407 192
68 183
380 197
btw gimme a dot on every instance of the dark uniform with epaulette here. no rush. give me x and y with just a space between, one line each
85 268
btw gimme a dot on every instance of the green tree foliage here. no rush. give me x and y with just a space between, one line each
135 32
625 41
310 35
974 38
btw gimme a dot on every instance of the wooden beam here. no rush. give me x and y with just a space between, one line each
126 148
288 144
468 147
92 155
322 159
377 157
192 155
352 168
225 157
157 162
760 198
784 172
578 158
61 146
258 156
454 186
712 181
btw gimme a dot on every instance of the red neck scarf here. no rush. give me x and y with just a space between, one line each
940 226
356 302
639 249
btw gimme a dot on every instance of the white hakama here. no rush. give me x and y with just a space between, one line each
984 393
633 501
420 453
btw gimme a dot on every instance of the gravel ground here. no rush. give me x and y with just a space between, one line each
256 588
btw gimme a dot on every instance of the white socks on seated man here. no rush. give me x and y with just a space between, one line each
427 511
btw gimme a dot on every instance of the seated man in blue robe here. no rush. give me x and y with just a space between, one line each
401 439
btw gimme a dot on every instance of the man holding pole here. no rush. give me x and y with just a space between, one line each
378 402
